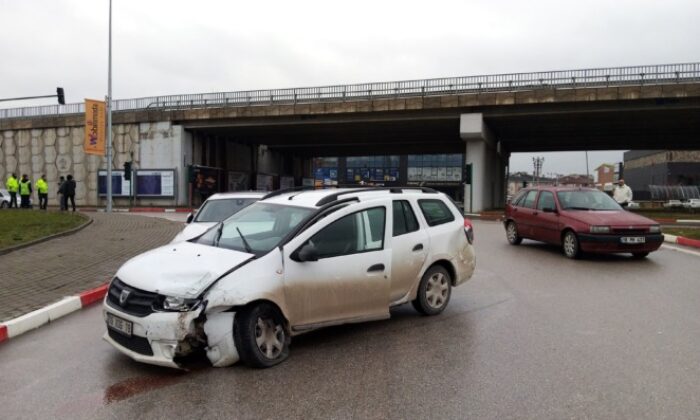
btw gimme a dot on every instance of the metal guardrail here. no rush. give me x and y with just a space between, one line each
567 79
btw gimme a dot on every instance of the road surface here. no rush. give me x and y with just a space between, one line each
532 335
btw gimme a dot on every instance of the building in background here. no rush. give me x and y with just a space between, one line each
646 169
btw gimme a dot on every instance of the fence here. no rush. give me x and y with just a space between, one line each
568 79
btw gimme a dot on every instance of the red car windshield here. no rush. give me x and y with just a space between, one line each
586 200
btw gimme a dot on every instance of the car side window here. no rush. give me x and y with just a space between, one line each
529 200
519 198
362 231
546 201
435 212
404 218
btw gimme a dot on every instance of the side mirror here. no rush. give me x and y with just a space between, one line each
549 210
190 217
307 252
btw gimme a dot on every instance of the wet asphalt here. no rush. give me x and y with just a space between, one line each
532 335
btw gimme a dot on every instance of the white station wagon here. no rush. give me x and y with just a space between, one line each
290 263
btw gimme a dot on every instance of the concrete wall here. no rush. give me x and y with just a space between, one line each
58 151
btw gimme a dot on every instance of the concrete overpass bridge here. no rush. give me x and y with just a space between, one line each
278 132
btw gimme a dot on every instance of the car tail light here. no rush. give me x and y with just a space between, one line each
469 230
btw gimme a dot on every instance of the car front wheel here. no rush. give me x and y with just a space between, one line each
434 291
570 245
512 234
260 336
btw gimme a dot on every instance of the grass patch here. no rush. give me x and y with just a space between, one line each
20 226
687 232
665 214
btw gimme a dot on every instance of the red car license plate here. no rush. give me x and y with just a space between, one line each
121 325
632 239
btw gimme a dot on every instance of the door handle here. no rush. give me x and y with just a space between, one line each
376 267
418 247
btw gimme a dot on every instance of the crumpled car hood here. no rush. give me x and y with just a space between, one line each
184 269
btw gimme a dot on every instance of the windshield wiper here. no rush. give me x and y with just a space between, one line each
219 232
248 249
577 208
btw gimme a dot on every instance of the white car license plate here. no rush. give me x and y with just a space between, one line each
633 239
118 324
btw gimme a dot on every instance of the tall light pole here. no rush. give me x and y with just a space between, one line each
109 115
537 162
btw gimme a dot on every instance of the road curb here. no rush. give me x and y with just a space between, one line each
35 319
681 240
48 238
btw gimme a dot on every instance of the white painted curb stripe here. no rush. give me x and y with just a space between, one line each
36 319
670 238
691 221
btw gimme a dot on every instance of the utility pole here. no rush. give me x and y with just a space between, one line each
537 162
109 115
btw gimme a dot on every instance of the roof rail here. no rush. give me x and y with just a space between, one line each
286 190
394 190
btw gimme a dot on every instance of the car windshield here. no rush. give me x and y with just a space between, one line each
262 226
586 200
218 210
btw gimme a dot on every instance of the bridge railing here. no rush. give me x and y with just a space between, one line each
567 79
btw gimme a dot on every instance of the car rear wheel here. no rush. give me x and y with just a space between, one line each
434 291
639 255
570 246
260 336
3 205
512 234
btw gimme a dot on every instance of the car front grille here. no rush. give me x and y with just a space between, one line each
625 231
138 303
134 343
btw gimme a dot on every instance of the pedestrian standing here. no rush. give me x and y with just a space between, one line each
12 187
42 189
25 191
69 191
622 193
61 195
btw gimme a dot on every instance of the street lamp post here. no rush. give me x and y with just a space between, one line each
109 115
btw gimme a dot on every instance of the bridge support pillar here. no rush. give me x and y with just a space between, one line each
487 188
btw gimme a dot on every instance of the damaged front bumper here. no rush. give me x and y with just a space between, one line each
161 338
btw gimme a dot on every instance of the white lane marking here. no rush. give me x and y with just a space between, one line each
683 250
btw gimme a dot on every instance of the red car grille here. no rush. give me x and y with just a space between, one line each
626 231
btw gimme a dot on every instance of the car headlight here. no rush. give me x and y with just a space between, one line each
173 303
655 229
600 229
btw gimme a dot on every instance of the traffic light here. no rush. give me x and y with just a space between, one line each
61 96
467 173
127 171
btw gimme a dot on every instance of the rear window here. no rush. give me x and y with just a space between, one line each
518 198
218 210
435 212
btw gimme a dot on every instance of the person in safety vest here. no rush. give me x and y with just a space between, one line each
25 191
12 187
42 188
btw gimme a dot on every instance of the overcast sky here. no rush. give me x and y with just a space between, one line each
168 47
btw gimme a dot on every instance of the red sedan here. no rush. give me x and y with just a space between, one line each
579 220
